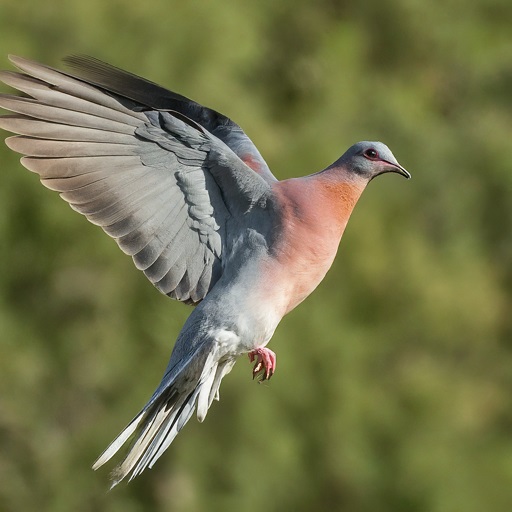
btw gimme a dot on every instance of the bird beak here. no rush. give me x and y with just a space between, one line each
400 170
395 167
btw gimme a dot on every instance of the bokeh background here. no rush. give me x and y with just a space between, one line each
394 388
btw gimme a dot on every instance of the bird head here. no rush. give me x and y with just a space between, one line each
370 159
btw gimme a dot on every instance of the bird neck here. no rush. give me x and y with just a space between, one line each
323 202
339 194
320 203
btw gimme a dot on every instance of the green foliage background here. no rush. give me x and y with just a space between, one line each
394 387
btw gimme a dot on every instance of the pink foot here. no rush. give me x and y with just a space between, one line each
265 362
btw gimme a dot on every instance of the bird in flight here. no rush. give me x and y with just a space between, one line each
184 191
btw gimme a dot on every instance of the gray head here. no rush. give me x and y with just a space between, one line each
369 159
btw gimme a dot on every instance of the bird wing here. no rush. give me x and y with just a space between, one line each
153 96
160 184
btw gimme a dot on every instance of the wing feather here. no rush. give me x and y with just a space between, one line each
31 146
54 131
144 258
153 96
65 167
170 281
57 114
76 89
157 182
170 254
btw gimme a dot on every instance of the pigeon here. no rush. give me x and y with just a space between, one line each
184 191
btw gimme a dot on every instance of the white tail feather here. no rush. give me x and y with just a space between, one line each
114 446
157 425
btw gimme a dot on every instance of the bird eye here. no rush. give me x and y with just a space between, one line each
371 153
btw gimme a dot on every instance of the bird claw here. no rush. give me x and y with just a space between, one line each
265 363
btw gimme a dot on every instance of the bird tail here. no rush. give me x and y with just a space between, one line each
155 427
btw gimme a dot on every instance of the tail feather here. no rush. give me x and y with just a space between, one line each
222 369
204 388
155 427
116 444
166 433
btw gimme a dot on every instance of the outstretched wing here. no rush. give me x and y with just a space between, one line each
153 96
157 182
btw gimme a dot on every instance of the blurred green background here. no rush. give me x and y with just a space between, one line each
394 388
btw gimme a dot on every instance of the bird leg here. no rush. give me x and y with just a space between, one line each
265 363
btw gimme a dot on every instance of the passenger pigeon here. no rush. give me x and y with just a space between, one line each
187 195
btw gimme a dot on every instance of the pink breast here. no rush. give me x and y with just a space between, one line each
314 216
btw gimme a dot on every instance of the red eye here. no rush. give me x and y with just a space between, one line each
371 153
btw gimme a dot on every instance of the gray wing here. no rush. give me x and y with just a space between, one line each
157 182
153 96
